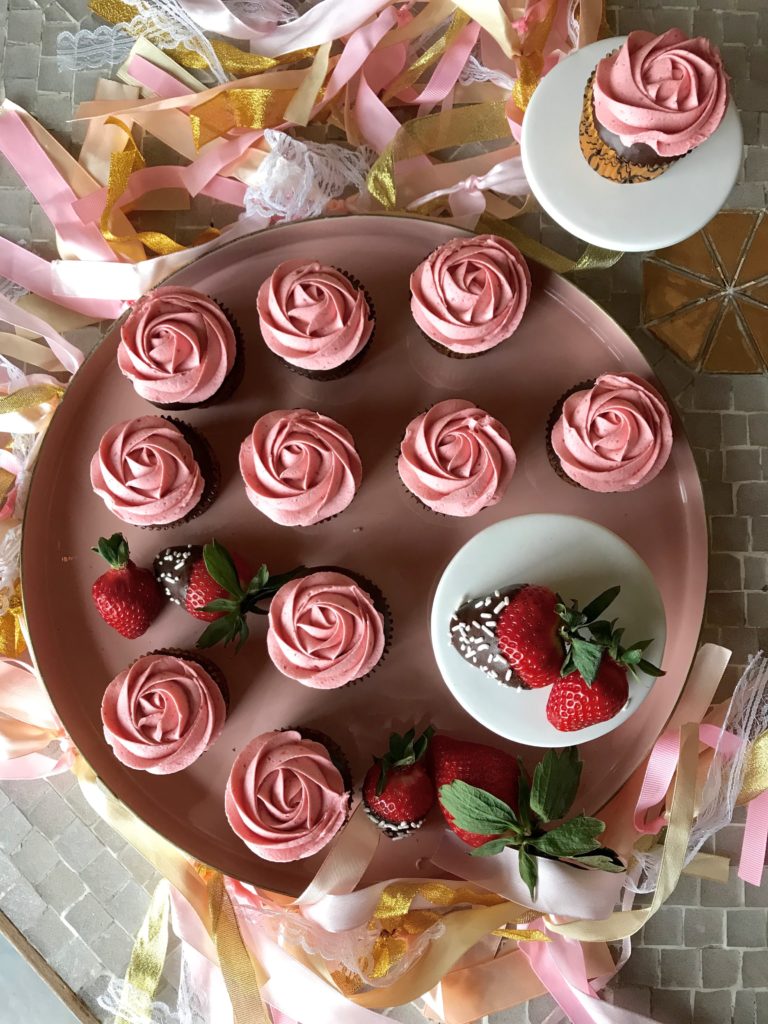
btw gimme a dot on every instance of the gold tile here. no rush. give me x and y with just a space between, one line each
730 351
756 319
687 332
755 264
666 290
728 232
693 254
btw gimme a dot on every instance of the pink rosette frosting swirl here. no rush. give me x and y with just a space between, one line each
299 467
285 798
145 472
176 345
667 91
313 316
456 458
616 436
324 631
470 294
162 713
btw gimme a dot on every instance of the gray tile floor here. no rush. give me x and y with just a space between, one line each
78 892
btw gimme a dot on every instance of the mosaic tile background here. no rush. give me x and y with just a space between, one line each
79 893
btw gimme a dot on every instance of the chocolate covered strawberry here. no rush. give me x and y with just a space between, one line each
398 792
126 596
474 764
491 803
216 587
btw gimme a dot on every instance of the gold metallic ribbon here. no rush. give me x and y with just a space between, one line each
531 62
12 641
755 779
147 959
242 975
235 61
592 258
238 108
26 398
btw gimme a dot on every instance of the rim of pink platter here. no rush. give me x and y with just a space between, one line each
565 338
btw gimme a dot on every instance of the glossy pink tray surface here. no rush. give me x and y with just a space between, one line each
384 534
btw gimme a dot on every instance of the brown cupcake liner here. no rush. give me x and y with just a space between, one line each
343 369
554 416
209 666
209 467
336 754
231 382
603 158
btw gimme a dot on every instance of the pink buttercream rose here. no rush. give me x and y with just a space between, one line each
145 472
176 346
456 458
324 630
667 91
162 713
285 798
470 294
299 467
313 316
614 436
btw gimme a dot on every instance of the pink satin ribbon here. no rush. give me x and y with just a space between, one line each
28 724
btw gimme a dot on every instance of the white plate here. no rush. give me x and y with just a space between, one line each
574 557
628 218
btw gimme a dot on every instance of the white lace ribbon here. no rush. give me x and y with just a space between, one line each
298 179
164 22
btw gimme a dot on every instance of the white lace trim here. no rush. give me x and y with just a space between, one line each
275 12
298 179
474 71
164 22
747 718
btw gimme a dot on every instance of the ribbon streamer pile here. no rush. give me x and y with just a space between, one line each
371 106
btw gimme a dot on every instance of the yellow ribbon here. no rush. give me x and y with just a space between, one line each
242 975
592 258
147 959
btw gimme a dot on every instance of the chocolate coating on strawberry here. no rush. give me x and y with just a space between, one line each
474 634
398 792
173 567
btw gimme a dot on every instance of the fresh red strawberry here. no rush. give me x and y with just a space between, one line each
202 588
528 635
484 767
575 704
398 792
126 597
216 587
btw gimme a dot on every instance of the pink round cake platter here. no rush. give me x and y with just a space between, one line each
384 534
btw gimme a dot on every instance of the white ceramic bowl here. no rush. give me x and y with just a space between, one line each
574 557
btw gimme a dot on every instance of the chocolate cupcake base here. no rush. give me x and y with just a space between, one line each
605 153
554 416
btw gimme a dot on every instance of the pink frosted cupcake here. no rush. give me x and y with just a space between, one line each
179 350
611 434
154 472
286 798
651 102
456 459
299 467
327 629
317 319
470 294
161 714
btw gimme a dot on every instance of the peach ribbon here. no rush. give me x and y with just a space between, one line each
28 725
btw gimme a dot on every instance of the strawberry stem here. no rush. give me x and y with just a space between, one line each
114 550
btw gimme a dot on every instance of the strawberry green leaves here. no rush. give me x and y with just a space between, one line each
555 782
403 751
232 625
545 798
586 638
114 549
